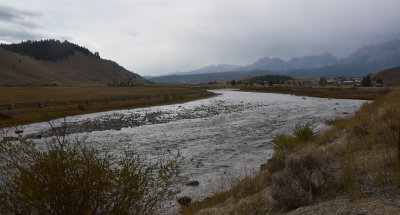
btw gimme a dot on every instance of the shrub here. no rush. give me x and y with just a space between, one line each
284 143
305 174
69 178
250 185
304 133
276 163
287 191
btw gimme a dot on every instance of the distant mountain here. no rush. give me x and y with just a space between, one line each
207 69
277 64
266 63
63 63
202 78
368 59
387 53
375 58
319 61
213 69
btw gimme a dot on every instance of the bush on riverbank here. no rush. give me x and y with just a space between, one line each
70 178
305 175
285 144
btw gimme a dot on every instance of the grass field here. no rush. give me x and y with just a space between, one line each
324 92
12 95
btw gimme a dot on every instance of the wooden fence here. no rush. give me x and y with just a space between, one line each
42 104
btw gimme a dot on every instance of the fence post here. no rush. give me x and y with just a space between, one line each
11 106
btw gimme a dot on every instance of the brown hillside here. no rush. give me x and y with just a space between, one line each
390 77
75 70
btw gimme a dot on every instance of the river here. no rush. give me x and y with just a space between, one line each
227 136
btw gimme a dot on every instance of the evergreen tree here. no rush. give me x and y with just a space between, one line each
366 81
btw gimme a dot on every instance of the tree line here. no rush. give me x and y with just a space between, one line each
47 50
262 80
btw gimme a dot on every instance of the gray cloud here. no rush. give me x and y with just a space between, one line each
10 14
18 24
161 36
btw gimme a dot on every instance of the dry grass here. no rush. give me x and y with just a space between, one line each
49 94
250 186
324 92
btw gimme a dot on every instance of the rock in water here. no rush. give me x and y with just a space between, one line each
193 183
185 201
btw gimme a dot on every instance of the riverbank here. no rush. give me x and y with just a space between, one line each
21 105
353 167
324 92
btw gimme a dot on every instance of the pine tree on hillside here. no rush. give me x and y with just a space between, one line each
47 50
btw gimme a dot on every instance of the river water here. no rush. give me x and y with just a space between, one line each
226 136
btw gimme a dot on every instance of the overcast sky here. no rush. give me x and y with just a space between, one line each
163 36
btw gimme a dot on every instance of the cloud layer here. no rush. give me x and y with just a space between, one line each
162 36
16 24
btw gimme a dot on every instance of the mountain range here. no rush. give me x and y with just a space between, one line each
366 60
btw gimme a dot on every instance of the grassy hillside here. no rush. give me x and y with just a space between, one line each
352 168
390 77
72 67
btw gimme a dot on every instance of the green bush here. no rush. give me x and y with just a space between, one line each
69 178
304 133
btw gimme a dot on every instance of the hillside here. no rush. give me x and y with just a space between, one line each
390 77
63 64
